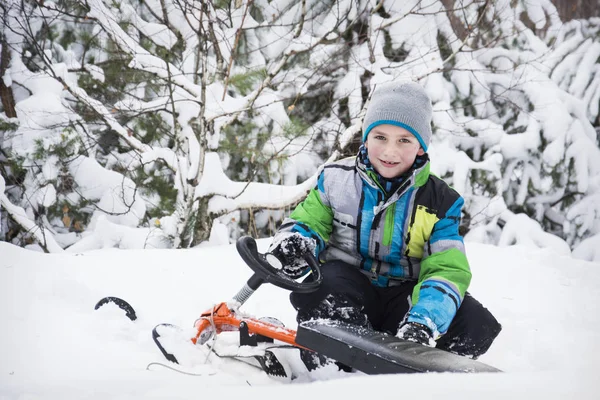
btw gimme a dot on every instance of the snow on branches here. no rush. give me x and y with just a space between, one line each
188 113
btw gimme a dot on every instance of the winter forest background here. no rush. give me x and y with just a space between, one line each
171 123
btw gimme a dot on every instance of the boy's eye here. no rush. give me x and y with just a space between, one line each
379 137
404 140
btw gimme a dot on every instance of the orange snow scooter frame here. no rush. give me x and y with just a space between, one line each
224 316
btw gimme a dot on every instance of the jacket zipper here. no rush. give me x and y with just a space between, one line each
376 220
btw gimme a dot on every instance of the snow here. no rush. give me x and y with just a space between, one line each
55 346
107 234
522 230
116 193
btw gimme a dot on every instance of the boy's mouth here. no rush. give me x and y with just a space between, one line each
389 163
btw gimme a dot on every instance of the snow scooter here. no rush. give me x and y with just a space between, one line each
362 349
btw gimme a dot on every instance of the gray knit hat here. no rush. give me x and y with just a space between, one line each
404 104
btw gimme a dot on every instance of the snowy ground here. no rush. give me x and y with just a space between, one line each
53 345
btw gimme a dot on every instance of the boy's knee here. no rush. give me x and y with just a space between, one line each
471 343
473 331
482 322
484 336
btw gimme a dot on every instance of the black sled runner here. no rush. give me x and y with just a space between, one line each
362 349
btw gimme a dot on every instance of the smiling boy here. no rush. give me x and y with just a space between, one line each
386 231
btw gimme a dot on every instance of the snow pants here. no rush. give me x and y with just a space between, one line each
347 294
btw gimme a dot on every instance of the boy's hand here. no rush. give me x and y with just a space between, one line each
415 332
290 251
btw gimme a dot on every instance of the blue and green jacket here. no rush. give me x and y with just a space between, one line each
410 234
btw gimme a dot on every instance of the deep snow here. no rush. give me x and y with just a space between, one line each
53 344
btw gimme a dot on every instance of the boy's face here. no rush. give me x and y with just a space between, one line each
392 150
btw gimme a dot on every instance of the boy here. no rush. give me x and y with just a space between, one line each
387 233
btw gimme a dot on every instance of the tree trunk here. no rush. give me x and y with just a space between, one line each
457 26
197 224
577 9
203 222
6 94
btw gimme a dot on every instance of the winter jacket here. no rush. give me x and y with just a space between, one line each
411 235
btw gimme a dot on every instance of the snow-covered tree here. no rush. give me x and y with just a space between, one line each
182 117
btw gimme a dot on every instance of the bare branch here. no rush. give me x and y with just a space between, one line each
235 44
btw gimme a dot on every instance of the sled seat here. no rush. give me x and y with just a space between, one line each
375 352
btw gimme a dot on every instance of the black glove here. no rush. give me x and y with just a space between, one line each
290 251
415 332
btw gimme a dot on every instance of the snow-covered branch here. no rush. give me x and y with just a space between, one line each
18 214
110 120
141 58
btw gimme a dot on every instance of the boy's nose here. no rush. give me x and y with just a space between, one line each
390 151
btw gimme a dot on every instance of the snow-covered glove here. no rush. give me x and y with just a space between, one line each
415 332
290 250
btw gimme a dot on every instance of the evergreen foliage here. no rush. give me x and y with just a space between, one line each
148 98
